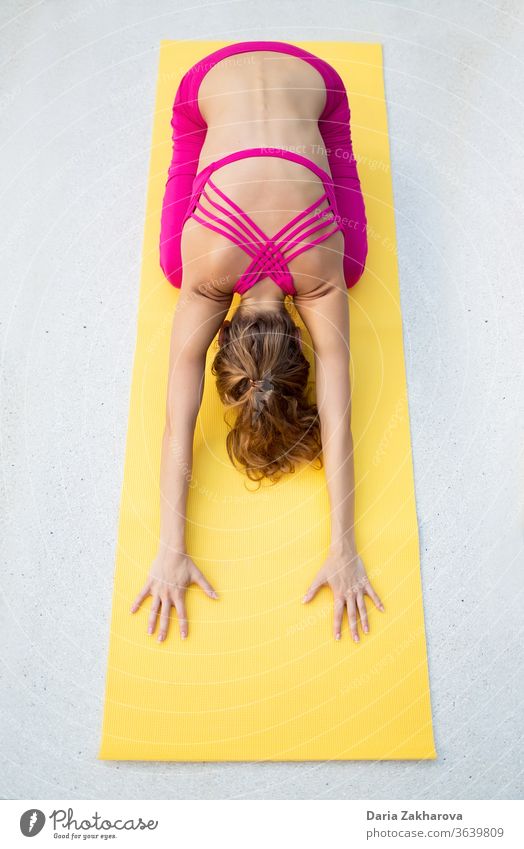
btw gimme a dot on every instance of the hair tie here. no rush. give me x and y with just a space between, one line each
264 386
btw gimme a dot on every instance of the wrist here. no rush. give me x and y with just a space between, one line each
172 545
343 544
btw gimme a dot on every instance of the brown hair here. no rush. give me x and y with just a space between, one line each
262 374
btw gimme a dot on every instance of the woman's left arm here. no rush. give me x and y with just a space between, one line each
327 320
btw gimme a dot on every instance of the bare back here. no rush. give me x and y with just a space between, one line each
262 99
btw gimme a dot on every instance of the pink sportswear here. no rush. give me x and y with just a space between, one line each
341 206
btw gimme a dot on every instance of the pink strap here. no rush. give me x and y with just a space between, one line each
269 256
239 222
273 152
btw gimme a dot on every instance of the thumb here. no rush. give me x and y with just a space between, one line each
314 588
202 582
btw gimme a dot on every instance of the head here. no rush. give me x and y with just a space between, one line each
262 377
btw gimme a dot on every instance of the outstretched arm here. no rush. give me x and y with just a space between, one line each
196 321
327 320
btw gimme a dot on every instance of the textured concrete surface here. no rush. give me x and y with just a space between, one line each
76 107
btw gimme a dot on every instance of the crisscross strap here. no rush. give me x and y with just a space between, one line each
269 255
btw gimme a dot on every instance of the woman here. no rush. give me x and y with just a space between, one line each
262 198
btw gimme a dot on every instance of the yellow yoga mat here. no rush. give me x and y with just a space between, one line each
260 677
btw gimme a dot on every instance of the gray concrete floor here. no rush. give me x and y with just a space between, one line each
76 108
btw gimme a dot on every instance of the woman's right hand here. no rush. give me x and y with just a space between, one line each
171 574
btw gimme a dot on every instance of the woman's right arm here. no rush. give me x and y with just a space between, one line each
196 321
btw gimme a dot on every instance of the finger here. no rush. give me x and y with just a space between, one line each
144 592
202 582
352 618
368 589
180 605
151 622
363 612
339 605
164 618
314 588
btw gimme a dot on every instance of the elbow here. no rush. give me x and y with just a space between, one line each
184 392
181 417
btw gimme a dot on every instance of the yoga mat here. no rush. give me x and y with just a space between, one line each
260 677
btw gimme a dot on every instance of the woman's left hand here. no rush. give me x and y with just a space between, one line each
344 572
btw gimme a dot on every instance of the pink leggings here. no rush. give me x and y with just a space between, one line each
189 132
